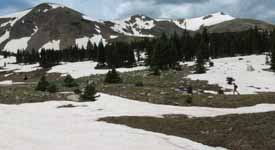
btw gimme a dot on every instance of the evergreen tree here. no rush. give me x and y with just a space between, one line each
113 77
101 58
89 93
199 67
273 61
52 88
273 51
69 81
42 84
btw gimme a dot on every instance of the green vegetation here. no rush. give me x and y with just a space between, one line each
89 93
113 77
42 84
69 81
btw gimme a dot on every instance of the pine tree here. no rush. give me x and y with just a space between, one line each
199 67
273 51
52 88
89 93
273 61
69 81
42 84
101 58
113 77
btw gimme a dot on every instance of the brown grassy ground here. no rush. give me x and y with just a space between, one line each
235 132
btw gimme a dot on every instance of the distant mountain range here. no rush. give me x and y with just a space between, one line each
55 26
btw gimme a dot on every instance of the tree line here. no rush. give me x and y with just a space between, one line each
162 52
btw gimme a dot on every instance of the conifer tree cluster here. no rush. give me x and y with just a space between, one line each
114 55
163 52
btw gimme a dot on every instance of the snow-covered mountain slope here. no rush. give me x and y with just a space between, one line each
134 26
56 26
144 26
250 72
194 24
50 26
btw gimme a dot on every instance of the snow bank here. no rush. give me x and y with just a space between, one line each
17 44
11 66
249 82
5 36
195 23
55 45
82 42
86 68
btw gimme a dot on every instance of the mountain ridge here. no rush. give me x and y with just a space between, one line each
55 26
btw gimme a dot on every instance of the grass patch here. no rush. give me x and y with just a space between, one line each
236 132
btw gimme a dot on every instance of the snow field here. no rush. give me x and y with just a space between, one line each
249 82
43 126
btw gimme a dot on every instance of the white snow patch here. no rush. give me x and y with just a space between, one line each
10 82
89 18
7 82
17 16
113 36
17 44
82 42
11 66
45 10
5 36
248 82
55 6
54 44
195 23
97 28
86 68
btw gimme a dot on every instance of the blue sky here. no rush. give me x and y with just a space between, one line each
115 9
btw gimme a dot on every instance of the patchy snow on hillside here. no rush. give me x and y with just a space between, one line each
8 64
55 6
54 44
17 16
17 44
86 68
248 81
5 36
43 126
195 23
134 28
82 42
113 36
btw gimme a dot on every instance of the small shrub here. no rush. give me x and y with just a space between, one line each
52 88
221 92
113 77
139 84
25 77
189 100
89 93
42 84
69 81
190 90
77 91
211 64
